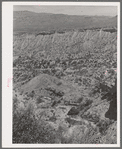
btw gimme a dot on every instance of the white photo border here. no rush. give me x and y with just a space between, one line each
7 72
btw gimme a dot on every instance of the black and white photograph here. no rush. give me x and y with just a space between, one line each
64 74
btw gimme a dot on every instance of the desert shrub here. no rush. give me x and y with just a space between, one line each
93 118
23 77
76 80
74 63
21 92
57 60
55 92
59 83
15 63
32 94
92 136
80 100
110 136
27 129
85 103
60 93
103 125
80 135
53 70
53 118
58 74
88 102
39 100
47 71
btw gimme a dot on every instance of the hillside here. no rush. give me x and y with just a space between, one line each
30 22
64 87
61 45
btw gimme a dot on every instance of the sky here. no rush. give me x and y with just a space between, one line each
70 10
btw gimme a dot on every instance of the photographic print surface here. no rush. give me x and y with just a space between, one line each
65 69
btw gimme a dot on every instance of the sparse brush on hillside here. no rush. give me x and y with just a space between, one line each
60 46
90 50
72 74
27 129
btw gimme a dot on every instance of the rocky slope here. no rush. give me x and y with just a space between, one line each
68 82
60 45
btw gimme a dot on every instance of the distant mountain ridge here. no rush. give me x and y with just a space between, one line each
26 21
